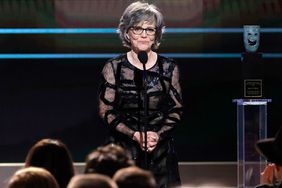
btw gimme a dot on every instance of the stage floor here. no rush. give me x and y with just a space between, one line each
193 174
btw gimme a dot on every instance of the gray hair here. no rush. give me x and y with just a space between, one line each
136 13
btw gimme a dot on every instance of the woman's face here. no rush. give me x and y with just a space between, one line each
142 36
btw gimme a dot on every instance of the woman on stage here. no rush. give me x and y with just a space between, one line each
121 98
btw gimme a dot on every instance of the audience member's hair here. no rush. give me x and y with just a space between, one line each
107 160
134 177
92 181
54 156
32 177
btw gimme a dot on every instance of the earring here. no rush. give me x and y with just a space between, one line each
127 36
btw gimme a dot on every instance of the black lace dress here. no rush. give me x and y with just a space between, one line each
121 108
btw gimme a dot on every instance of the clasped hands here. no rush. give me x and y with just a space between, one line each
152 140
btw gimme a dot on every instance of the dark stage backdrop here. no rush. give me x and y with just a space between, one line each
57 97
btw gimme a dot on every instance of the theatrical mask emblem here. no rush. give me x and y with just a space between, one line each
251 37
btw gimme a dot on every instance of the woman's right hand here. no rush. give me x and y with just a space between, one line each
139 138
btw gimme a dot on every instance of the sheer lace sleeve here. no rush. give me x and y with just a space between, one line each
107 97
175 112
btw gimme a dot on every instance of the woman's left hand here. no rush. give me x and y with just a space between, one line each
152 140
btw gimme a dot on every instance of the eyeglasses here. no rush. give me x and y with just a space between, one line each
139 30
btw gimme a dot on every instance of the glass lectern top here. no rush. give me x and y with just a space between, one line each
251 101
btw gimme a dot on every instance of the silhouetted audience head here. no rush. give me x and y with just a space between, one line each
54 156
134 177
92 181
32 177
107 160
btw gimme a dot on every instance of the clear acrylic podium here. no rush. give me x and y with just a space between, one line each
251 126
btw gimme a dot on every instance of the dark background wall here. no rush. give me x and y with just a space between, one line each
57 97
